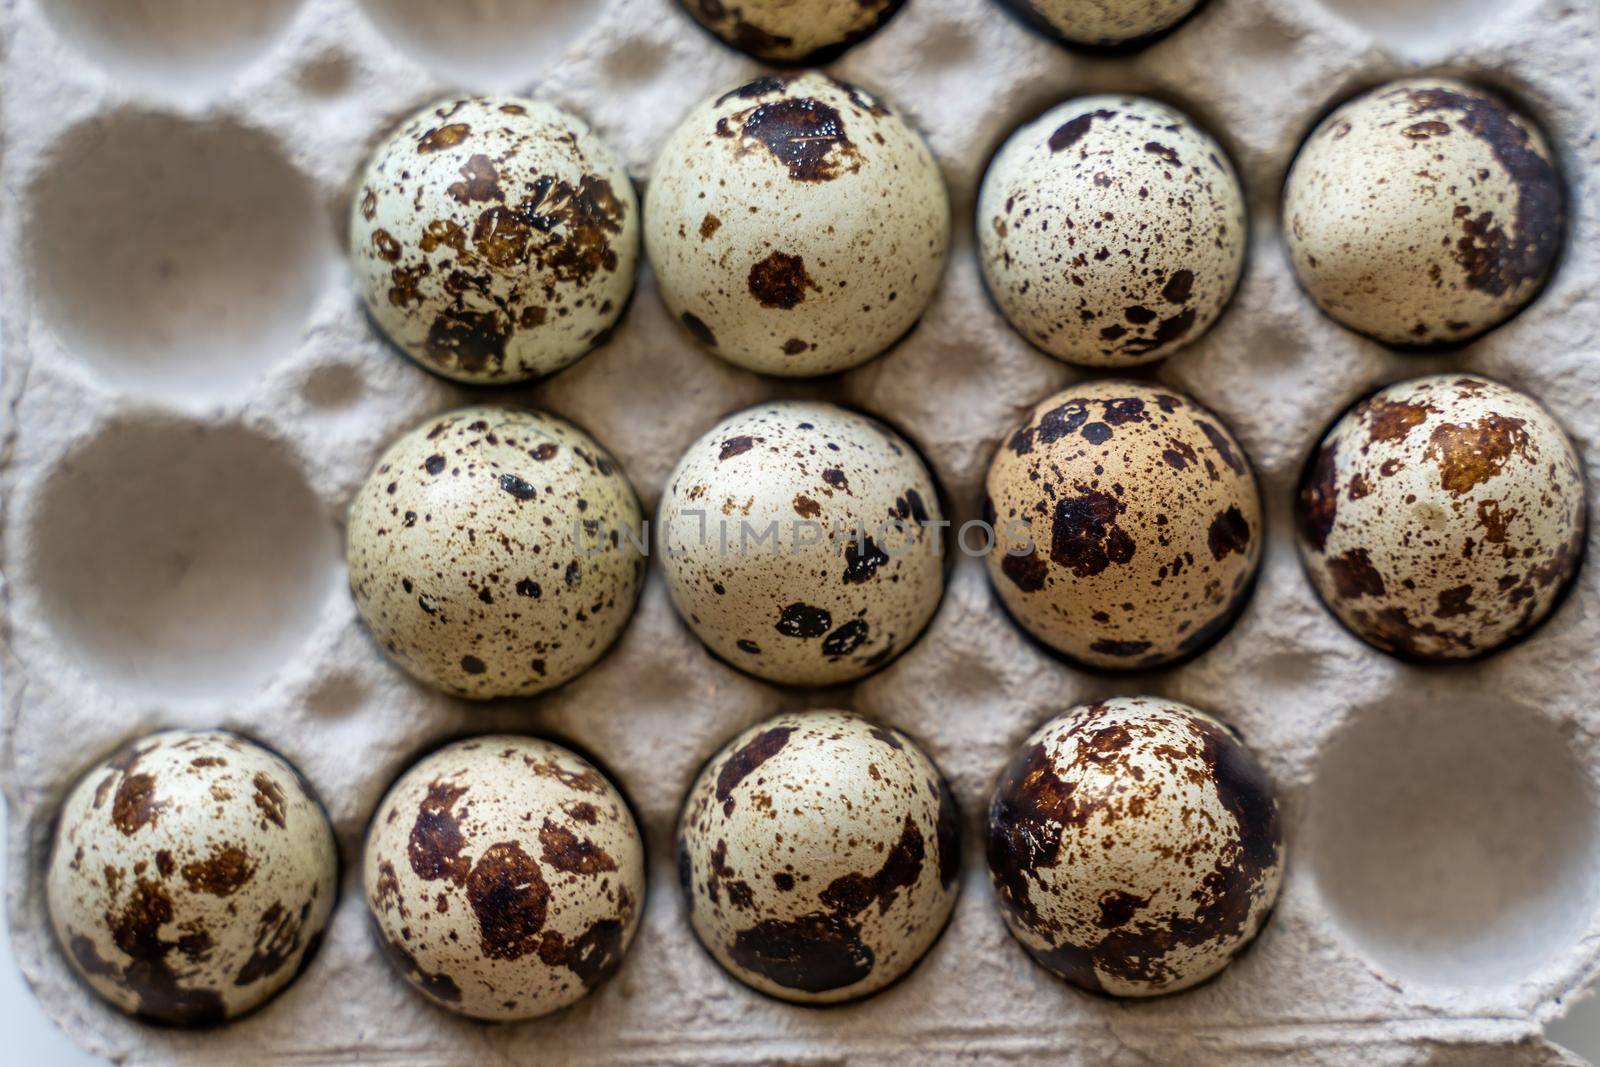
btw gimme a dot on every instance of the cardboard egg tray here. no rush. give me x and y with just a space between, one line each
193 394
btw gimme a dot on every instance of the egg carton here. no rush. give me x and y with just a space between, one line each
194 395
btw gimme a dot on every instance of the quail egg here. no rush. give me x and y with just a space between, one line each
1103 23
1134 845
796 225
495 239
807 32
1111 231
819 854
802 542
192 875
1127 524
505 876
495 551
1426 211
1443 517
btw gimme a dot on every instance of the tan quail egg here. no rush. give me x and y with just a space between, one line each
495 551
1134 845
1103 23
1443 517
1423 212
1127 524
1111 231
495 239
819 854
191 876
801 542
796 225
505 877
806 32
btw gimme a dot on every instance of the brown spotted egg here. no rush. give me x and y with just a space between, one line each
191 876
796 225
1103 22
505 877
800 542
1423 212
819 855
495 551
1111 231
1443 517
1127 524
1134 845
806 32
495 239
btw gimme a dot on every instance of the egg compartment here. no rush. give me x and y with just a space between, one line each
196 394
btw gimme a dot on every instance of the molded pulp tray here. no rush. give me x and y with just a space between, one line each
193 397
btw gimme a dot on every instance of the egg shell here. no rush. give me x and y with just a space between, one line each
1134 845
495 551
1103 22
1127 524
854 570
191 876
1423 212
1443 517
806 32
797 226
819 854
1111 231
505 877
495 239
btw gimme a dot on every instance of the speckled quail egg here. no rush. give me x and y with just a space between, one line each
1443 516
1103 22
800 543
1111 231
792 31
495 239
1127 524
1426 211
192 874
505 876
819 854
796 225
1134 845
495 551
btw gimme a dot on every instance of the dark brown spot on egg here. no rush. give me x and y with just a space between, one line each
135 805
846 639
440 986
566 851
814 953
1354 575
1229 533
1071 132
149 974
434 847
780 281
737 767
221 873
735 446
804 621
805 135
1468 455
1085 537
270 800
1319 497
277 940
509 896
443 137
1027 571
